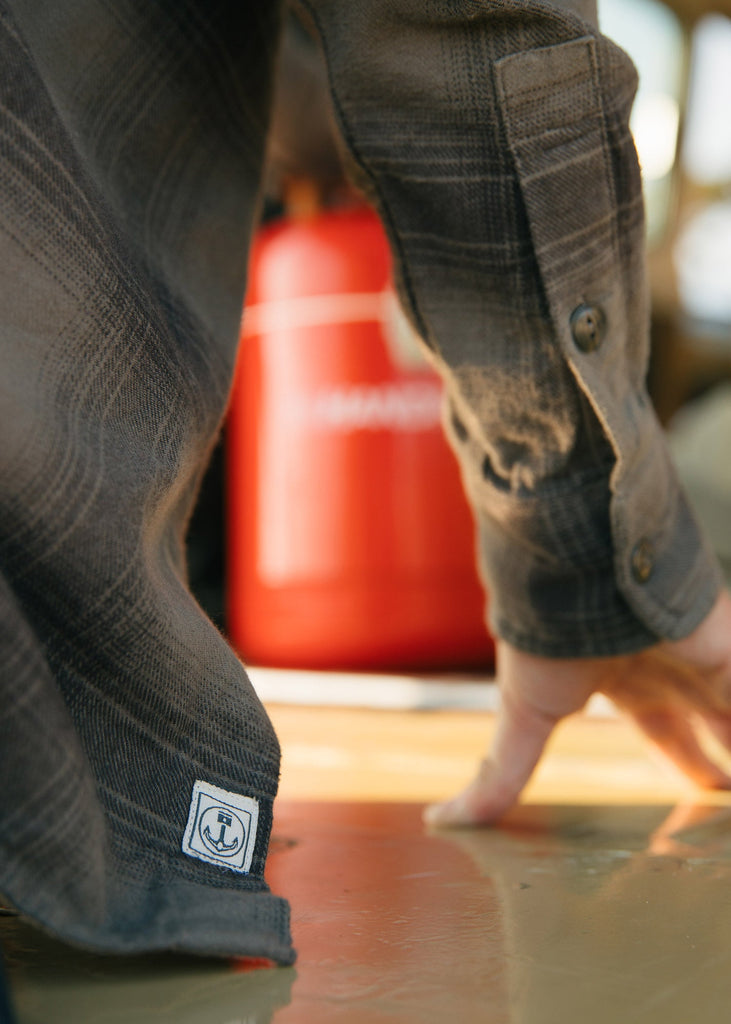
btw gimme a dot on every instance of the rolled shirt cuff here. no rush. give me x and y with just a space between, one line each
574 568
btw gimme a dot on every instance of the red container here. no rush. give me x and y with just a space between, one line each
350 541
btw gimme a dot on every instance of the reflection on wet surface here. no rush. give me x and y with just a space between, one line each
52 983
565 914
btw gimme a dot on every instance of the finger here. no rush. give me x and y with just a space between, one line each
707 692
720 726
673 734
520 739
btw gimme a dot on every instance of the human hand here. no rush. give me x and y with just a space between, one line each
667 690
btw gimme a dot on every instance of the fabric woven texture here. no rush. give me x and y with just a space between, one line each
493 138
129 161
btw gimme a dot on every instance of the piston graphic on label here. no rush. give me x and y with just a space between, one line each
222 831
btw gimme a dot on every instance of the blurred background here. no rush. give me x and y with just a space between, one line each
304 448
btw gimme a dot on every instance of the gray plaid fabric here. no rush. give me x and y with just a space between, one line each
493 138
131 140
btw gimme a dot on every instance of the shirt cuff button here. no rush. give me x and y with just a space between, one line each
643 560
588 327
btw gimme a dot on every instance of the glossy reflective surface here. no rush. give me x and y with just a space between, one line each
599 914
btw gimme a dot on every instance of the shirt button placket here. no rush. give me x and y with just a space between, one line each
588 329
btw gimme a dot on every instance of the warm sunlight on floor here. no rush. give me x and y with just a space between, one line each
361 754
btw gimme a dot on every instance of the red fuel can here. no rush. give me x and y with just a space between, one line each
350 542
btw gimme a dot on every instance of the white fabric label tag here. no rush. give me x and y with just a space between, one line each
221 827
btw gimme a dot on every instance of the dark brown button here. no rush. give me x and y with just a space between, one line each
588 326
643 560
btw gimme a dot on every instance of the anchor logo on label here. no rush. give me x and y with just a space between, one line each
222 831
221 827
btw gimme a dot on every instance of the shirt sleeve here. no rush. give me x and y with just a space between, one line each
494 138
